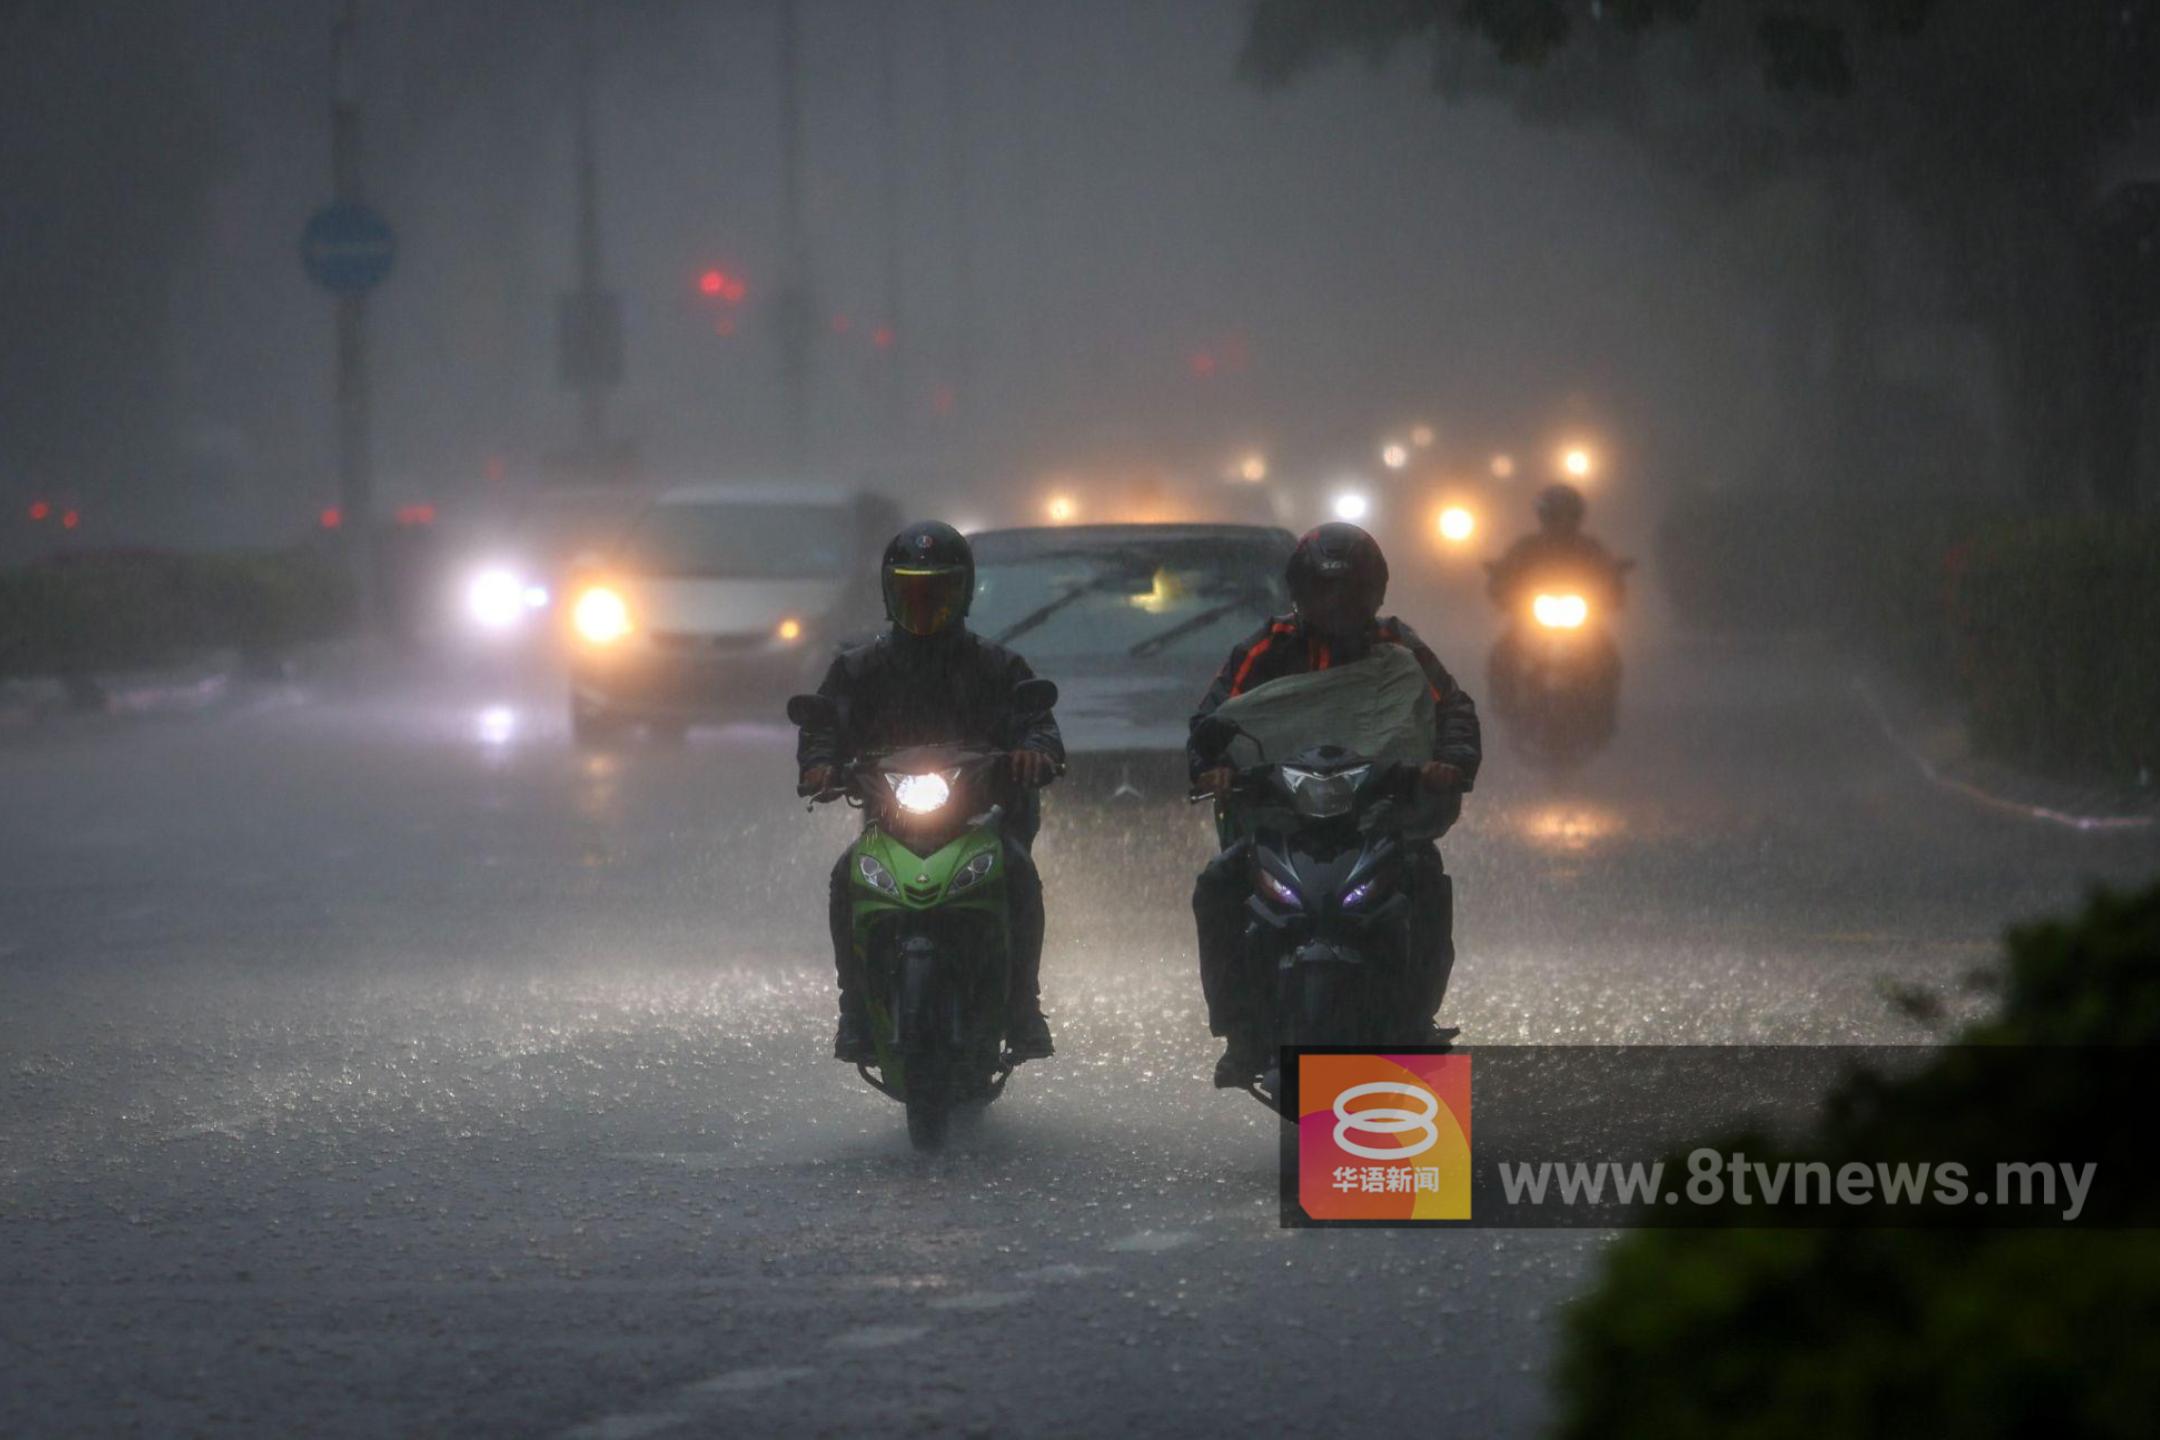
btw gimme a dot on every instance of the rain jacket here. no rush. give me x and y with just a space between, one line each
1283 647
949 689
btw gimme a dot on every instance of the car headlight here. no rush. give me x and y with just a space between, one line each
973 873
600 616
875 875
920 794
788 631
1280 893
1560 612
495 599
1323 797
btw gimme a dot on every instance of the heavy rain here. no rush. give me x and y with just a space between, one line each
1559 530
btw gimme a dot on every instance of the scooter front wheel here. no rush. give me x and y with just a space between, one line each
929 1104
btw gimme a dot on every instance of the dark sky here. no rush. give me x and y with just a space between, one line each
1349 255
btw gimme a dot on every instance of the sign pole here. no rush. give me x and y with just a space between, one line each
356 480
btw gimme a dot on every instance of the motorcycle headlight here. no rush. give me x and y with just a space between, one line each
973 873
876 876
1560 612
1280 893
1323 797
920 794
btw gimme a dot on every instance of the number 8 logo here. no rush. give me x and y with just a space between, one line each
1386 1120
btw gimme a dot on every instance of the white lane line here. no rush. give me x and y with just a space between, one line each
627 1427
1151 1242
1060 1273
877 1337
1972 792
977 1301
750 1378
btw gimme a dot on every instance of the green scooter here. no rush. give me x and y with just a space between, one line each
927 895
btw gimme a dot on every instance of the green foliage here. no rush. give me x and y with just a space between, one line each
2057 642
1864 1333
121 610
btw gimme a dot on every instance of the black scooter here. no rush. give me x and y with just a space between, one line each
1323 837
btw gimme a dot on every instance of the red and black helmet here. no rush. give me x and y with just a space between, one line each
928 575
1336 559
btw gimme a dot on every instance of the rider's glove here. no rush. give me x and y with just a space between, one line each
817 779
1438 775
1030 767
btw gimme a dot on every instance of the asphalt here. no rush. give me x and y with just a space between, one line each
374 1062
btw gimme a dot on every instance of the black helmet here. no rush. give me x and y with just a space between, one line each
928 576
1337 560
1560 507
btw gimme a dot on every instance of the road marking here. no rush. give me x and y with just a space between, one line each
877 1337
627 1427
749 1378
1060 1273
977 1301
1933 776
1151 1242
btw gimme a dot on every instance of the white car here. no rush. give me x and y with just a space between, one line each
719 601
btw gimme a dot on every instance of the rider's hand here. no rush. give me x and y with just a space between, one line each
818 779
1030 767
1218 780
1438 775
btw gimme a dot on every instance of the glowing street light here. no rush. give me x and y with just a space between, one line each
1352 506
1253 468
1577 461
1457 524
1503 467
1060 509
1394 455
1421 436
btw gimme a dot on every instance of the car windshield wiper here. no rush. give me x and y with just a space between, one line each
1052 606
1157 643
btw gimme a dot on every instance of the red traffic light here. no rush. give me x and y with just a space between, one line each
721 285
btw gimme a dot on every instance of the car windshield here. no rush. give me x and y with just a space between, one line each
1132 599
750 542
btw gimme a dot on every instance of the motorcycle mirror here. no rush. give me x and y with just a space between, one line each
1034 696
806 711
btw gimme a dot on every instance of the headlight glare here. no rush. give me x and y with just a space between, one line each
920 794
495 599
1560 612
600 616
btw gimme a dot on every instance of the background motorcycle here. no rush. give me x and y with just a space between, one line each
1554 674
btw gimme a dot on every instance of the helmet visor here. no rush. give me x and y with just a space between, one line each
923 600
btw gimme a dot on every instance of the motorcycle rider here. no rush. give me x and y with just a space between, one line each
930 680
1557 551
1337 578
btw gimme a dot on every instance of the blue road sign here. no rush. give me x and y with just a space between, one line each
348 249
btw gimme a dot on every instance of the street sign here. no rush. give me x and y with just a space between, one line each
348 249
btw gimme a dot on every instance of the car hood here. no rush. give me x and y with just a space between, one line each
1122 705
699 605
